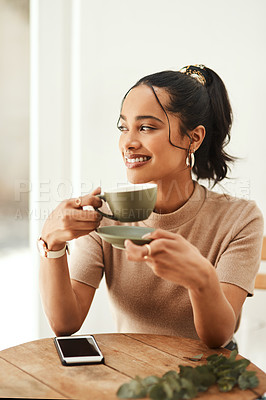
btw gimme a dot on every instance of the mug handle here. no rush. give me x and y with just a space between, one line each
110 216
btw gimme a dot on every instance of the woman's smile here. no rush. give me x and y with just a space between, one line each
136 160
144 142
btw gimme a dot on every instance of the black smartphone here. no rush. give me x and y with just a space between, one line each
74 350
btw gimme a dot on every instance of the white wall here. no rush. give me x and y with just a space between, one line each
14 105
110 45
122 41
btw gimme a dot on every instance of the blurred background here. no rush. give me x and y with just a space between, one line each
64 68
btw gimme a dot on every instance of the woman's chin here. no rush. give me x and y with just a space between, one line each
137 181
134 179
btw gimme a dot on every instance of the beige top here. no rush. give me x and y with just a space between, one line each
226 230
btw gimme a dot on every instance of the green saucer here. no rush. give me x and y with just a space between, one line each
116 235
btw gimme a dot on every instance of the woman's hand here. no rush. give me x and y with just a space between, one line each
69 221
173 258
216 305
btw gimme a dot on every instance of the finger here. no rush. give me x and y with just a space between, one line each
162 246
75 215
78 233
136 252
96 191
87 215
80 219
161 233
84 226
88 200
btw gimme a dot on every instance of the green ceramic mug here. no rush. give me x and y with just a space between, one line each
130 203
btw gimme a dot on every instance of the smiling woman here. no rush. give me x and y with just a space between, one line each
143 135
200 264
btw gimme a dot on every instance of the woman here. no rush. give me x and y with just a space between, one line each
193 278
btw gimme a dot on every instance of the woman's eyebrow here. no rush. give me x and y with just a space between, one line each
140 117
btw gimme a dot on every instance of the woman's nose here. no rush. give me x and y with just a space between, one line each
130 141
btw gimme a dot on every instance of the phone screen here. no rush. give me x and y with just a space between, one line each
78 347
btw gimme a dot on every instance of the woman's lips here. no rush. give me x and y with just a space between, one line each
134 161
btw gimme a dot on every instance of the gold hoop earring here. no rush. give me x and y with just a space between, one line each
190 160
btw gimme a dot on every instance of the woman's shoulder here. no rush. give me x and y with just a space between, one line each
222 203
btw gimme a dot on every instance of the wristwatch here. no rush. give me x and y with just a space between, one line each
46 253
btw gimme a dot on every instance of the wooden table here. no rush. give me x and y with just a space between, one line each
33 370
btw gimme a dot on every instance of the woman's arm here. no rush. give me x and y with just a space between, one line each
66 302
216 309
216 306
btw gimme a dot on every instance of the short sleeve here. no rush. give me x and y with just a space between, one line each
86 260
240 261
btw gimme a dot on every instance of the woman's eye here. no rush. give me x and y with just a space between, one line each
146 128
143 128
122 128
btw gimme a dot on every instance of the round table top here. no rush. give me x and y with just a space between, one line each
34 369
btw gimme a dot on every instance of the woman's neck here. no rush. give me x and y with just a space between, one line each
173 195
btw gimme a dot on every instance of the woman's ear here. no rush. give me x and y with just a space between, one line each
197 135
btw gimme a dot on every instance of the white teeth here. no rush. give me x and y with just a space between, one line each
135 160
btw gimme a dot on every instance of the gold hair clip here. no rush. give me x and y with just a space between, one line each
195 71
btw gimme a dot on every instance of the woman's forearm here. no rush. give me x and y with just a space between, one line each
64 303
214 317
58 298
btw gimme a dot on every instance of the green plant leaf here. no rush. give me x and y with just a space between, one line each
150 380
217 361
226 372
213 357
171 373
198 357
132 390
248 379
232 356
167 389
190 391
226 384
157 392
206 377
240 365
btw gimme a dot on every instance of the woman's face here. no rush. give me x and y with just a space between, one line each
144 141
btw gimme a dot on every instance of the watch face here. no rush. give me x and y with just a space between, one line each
41 248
